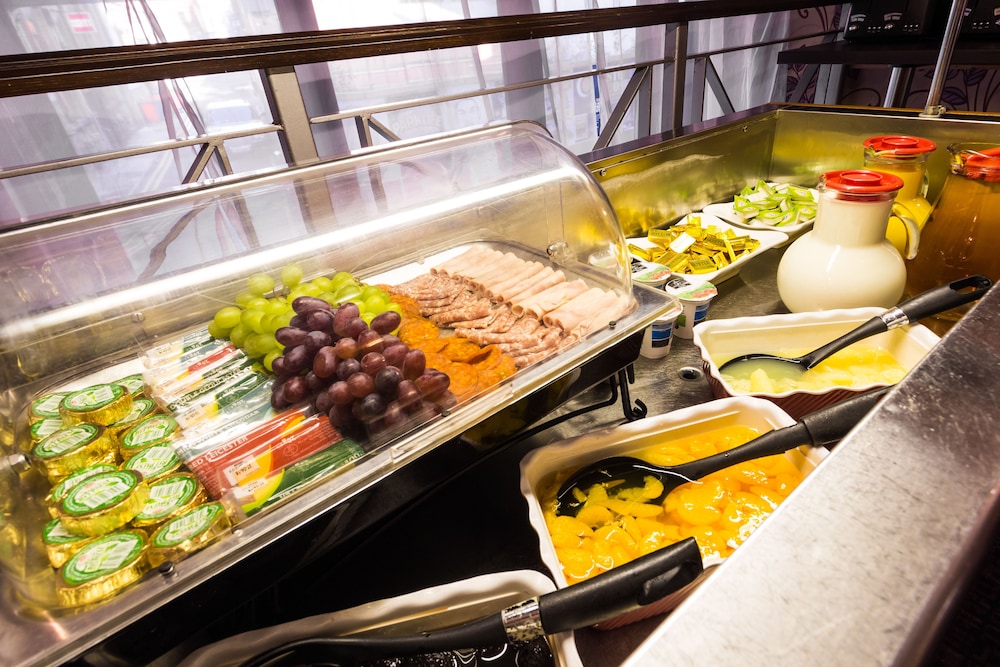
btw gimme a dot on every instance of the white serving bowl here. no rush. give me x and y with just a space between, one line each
721 340
424 610
539 466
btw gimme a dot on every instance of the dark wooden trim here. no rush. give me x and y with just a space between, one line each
86 68
967 53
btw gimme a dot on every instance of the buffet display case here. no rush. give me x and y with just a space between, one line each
158 271
97 299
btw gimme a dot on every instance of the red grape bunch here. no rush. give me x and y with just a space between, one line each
371 384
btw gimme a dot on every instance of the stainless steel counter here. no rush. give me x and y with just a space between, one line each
860 566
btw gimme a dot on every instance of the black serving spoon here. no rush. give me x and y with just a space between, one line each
822 427
617 591
933 301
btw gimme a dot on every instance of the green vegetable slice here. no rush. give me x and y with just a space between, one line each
775 204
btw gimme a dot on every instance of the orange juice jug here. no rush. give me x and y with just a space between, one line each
905 157
962 236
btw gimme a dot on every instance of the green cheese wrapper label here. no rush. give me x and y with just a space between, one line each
103 556
60 490
150 430
188 525
152 461
45 427
167 496
100 491
66 440
141 407
48 406
55 533
93 398
133 384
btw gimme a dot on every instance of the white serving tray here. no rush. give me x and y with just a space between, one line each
539 465
768 239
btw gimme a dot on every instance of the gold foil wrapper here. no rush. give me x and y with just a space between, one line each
46 407
188 532
43 428
60 490
102 404
103 503
72 448
60 544
102 568
152 430
141 408
155 462
691 249
134 384
169 497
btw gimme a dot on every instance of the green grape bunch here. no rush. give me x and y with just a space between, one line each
263 307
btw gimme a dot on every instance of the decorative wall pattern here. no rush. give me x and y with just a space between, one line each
811 21
966 88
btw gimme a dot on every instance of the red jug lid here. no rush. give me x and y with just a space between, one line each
900 145
861 181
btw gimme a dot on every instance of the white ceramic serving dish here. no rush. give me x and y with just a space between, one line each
727 212
426 609
540 465
768 239
721 340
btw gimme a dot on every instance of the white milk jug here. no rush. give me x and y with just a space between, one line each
845 260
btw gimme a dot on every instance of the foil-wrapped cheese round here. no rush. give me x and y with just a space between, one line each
103 503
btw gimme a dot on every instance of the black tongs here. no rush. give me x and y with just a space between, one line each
610 594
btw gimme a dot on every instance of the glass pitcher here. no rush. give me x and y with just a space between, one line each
906 157
962 235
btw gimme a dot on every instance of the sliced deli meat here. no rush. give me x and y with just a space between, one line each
529 288
569 315
466 262
524 308
549 299
532 272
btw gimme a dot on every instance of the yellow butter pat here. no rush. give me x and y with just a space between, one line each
642 253
682 242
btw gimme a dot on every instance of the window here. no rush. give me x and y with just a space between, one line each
570 84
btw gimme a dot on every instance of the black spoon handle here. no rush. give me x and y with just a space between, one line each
939 299
828 425
933 301
354 650
622 589
818 428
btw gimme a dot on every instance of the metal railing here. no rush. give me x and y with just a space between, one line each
275 58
